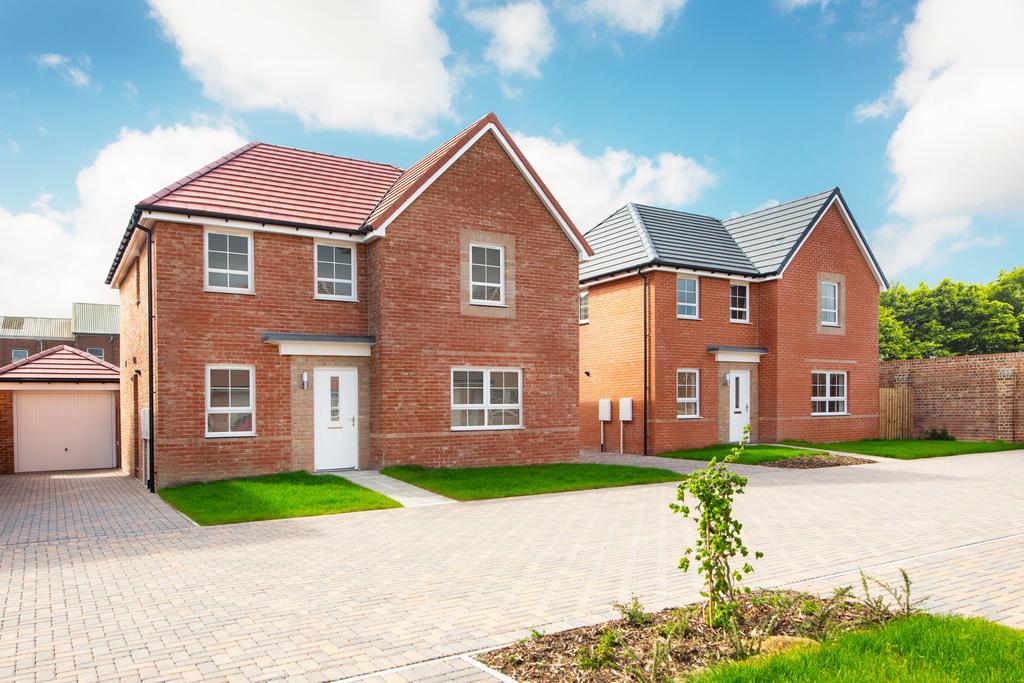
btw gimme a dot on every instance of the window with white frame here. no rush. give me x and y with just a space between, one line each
228 262
584 307
487 398
95 351
739 303
487 274
828 393
687 301
830 303
687 393
18 354
230 400
335 272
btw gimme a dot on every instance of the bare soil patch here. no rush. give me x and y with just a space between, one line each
675 642
809 462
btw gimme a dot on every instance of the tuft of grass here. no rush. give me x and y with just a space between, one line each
752 455
274 496
923 648
479 483
912 449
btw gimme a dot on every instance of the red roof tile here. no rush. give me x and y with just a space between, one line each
60 364
281 184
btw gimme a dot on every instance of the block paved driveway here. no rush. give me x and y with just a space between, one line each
401 594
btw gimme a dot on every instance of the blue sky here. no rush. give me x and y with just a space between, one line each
716 107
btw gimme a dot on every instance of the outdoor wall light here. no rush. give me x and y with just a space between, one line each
305 380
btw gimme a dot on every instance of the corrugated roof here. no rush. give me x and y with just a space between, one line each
60 364
19 327
95 319
756 244
281 184
769 236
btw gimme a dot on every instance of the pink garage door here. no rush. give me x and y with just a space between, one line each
63 430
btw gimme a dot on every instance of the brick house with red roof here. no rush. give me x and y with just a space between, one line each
315 312
769 319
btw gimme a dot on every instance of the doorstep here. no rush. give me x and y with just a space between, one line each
406 494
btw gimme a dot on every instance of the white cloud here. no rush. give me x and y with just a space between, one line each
591 187
958 152
634 16
53 257
790 5
12 146
368 66
522 36
75 72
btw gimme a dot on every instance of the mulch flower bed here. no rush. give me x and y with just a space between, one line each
809 462
673 643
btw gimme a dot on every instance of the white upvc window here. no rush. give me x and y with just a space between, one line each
230 400
487 274
584 307
828 393
18 354
739 303
228 257
830 303
687 298
687 393
335 268
95 351
487 398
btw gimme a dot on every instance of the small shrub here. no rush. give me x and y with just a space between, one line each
937 435
718 544
633 612
900 595
603 655
679 626
535 634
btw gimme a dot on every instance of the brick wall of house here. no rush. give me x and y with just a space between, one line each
800 348
973 397
202 328
33 346
611 350
110 343
417 315
133 363
6 432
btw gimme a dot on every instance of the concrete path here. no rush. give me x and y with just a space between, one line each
406 494
402 594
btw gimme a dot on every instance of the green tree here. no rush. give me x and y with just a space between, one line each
1009 288
894 342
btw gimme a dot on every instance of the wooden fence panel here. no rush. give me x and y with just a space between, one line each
895 413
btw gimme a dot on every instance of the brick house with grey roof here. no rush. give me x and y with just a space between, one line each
310 311
769 319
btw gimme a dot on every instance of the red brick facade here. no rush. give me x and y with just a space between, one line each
784 320
974 398
409 298
6 432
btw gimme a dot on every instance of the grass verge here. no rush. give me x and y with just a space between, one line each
275 496
920 648
752 455
912 449
478 483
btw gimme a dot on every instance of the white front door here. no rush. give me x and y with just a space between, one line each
739 403
66 430
335 418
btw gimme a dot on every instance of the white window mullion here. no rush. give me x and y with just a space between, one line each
487 413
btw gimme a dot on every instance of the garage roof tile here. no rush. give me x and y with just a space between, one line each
60 364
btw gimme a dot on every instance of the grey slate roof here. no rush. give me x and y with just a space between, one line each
769 235
758 244
21 327
95 319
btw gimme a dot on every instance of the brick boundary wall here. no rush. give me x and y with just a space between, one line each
6 432
974 397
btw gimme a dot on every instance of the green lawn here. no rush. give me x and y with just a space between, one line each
912 449
923 648
478 483
752 455
275 496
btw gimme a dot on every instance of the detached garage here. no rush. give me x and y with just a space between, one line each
58 411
